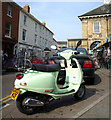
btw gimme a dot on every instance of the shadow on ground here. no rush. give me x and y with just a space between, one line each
96 81
70 100
65 101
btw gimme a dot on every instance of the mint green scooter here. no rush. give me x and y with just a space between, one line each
37 86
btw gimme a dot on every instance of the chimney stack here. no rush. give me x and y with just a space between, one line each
107 1
44 23
27 8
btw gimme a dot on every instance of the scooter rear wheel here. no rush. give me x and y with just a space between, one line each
81 92
25 109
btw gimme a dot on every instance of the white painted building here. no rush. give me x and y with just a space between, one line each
34 36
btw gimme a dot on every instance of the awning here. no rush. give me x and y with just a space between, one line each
102 43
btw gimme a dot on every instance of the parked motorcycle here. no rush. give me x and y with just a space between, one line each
36 87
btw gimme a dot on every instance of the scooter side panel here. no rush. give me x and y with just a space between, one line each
40 82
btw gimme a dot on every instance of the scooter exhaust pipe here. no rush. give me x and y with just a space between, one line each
33 102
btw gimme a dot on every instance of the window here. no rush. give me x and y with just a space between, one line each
24 34
46 32
35 26
45 41
8 29
35 38
40 40
96 27
25 20
43 29
9 12
40 28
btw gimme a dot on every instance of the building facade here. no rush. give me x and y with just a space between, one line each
62 44
10 23
54 42
96 25
34 36
72 43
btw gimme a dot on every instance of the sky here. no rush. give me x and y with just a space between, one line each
61 17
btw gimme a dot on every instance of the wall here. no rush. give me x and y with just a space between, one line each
72 43
44 35
9 42
109 26
88 29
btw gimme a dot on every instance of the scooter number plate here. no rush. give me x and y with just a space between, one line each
15 93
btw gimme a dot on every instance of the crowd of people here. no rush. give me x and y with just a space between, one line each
103 58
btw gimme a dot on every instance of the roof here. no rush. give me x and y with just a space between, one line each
102 10
62 42
76 39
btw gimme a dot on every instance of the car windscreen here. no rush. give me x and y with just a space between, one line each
81 50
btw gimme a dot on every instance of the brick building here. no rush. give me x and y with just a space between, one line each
10 23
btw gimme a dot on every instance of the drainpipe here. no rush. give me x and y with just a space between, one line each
87 38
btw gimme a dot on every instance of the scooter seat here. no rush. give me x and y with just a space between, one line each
46 68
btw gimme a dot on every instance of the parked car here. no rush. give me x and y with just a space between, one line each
11 64
36 59
86 63
16 64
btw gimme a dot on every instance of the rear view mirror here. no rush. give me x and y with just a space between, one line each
78 44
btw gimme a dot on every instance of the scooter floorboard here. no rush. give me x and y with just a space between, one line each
65 92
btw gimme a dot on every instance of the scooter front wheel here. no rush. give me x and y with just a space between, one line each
81 92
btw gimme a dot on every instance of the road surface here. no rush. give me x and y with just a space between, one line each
94 105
